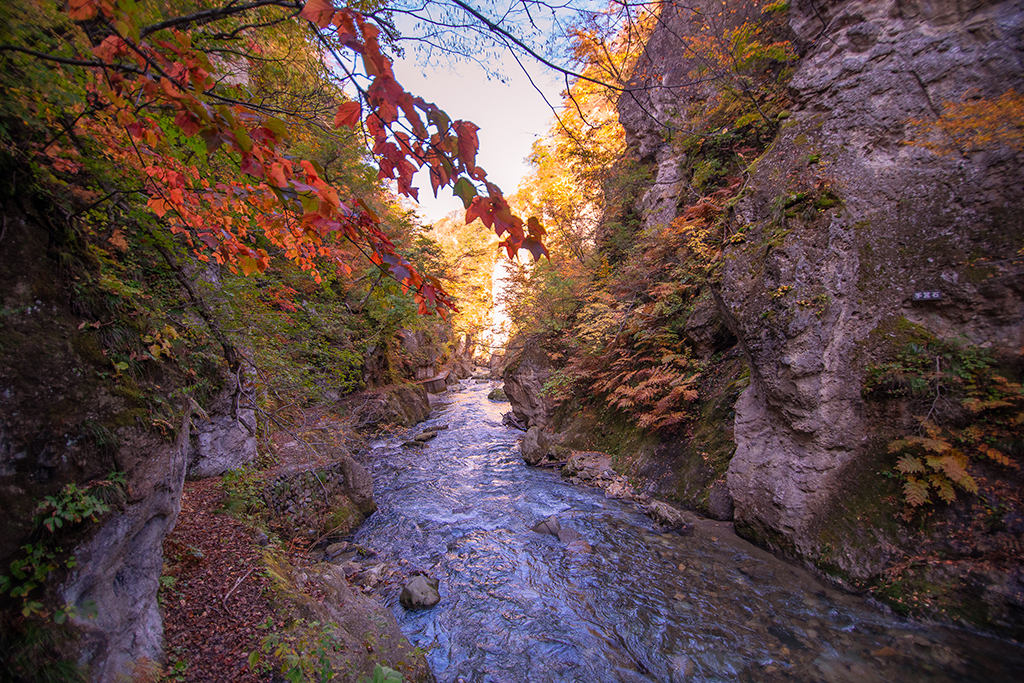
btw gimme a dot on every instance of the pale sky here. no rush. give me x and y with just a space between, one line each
511 117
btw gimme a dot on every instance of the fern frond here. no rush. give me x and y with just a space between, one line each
996 455
933 445
916 492
898 445
909 464
943 486
954 469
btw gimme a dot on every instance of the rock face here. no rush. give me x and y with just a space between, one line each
910 220
227 440
64 419
534 446
404 404
422 351
524 377
843 220
118 570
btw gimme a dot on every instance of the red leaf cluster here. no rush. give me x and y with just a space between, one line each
285 199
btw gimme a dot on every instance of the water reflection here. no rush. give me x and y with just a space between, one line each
626 602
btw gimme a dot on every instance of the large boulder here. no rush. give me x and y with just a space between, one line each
524 375
321 594
539 446
671 516
420 592
403 404
534 446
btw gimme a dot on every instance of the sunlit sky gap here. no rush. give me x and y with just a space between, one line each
509 110
511 117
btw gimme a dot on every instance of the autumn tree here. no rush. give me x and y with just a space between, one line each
169 91
613 302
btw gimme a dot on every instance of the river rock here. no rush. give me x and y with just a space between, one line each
525 375
425 436
539 446
663 513
720 502
534 446
620 489
553 527
335 550
548 526
589 466
498 395
420 592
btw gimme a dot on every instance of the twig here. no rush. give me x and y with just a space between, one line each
238 582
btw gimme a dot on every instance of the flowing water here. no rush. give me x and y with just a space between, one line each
638 604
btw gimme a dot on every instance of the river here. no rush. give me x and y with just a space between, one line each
638 604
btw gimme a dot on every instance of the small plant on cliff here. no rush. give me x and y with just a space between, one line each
54 515
931 463
973 123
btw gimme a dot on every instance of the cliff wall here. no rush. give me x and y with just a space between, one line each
857 232
80 430
908 221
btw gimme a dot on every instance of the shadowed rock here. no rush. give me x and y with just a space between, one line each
420 592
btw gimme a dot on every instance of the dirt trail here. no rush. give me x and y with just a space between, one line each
219 597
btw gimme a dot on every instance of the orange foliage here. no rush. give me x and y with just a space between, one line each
972 124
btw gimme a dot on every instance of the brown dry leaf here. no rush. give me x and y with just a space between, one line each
118 240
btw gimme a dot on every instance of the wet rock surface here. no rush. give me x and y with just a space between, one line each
420 592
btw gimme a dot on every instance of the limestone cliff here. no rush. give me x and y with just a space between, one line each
842 235
910 221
